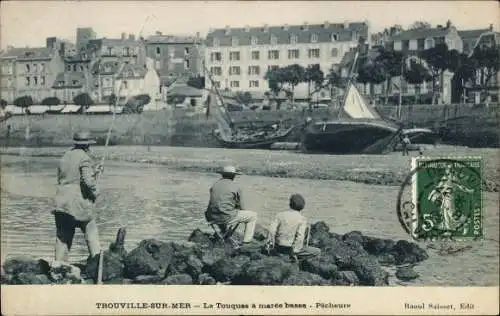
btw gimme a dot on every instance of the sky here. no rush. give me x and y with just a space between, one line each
28 23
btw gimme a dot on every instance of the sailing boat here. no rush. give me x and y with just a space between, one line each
361 130
230 137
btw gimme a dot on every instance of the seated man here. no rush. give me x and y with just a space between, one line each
226 208
288 230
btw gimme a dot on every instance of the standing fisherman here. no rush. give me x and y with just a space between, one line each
75 198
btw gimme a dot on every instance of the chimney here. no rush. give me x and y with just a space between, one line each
491 27
346 24
62 49
247 28
131 37
266 28
448 24
285 27
228 30
158 33
305 26
326 24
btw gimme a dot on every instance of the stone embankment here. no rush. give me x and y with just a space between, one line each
350 259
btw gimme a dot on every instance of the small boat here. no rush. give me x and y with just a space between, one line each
230 137
358 129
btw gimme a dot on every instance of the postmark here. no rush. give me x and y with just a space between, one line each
441 198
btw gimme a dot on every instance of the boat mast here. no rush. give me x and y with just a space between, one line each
349 82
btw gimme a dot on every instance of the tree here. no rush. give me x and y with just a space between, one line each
416 74
51 101
24 102
420 25
313 76
112 99
438 60
392 63
136 103
3 103
293 75
275 82
84 100
486 60
372 73
197 82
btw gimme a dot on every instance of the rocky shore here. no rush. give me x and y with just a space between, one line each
350 259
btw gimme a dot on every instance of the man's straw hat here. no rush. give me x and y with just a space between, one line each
83 138
228 170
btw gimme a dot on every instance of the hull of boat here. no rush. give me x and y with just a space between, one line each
254 144
349 137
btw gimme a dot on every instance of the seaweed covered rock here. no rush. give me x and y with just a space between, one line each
29 278
61 273
185 263
206 279
406 273
178 279
149 258
266 271
305 278
112 266
226 269
17 265
346 278
378 246
323 266
408 252
369 271
201 238
354 236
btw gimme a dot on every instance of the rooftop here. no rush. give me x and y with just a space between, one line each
69 79
421 33
28 53
171 39
132 71
324 32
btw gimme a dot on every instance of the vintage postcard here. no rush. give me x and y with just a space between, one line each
249 157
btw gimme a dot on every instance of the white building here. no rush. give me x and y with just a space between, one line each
238 58
135 79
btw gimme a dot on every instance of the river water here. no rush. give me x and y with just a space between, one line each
154 201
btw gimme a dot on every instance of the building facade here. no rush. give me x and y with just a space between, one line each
8 77
34 70
135 79
238 58
175 56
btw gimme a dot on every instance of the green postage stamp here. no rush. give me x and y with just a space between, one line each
447 198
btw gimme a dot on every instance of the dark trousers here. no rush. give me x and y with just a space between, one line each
65 231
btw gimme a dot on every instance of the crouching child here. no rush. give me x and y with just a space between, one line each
288 232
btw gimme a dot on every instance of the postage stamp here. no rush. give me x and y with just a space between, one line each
447 198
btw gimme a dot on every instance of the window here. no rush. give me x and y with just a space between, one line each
72 94
429 43
74 67
335 52
255 55
234 56
313 53
272 67
35 80
406 45
314 38
125 85
354 35
254 40
74 82
234 70
217 84
35 67
273 54
293 54
253 70
27 68
253 84
27 81
334 37
293 39
216 71
217 56
68 68
110 51
158 50
186 50
234 41
216 42
234 84
186 64
274 40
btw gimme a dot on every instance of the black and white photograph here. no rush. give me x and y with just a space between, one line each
221 144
